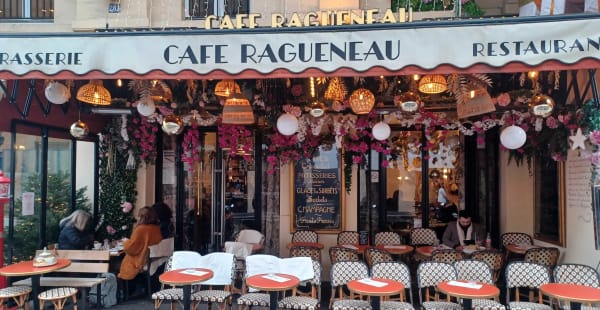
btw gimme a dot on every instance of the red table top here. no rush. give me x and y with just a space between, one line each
360 248
395 248
392 287
263 283
184 276
485 291
26 268
426 250
311 244
571 292
519 248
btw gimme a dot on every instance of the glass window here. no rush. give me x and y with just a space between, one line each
27 9
204 8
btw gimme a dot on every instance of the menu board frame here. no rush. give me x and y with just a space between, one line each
301 174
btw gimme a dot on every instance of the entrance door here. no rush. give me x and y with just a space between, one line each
219 194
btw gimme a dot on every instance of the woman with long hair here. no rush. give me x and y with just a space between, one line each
145 234
75 231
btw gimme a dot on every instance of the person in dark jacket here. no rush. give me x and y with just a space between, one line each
74 231
164 213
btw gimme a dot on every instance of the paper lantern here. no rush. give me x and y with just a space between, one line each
287 124
79 129
146 106
381 131
513 137
57 93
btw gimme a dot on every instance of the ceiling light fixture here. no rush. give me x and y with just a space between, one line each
94 93
408 101
362 101
433 84
227 87
541 105
237 110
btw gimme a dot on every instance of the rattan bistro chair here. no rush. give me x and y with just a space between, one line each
429 275
342 273
479 271
531 276
310 302
400 272
309 236
348 237
387 238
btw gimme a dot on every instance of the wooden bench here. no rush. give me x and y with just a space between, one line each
83 262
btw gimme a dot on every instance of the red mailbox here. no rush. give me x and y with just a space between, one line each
4 198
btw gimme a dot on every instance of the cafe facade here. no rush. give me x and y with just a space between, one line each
299 63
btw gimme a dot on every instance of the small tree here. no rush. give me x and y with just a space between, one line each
58 203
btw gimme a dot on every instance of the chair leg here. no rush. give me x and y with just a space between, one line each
75 301
42 304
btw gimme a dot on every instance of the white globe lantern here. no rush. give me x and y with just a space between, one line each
146 106
287 124
57 93
381 131
513 137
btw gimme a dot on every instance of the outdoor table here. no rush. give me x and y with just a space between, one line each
395 249
519 248
360 248
307 244
425 250
467 290
272 283
26 268
186 277
375 288
574 293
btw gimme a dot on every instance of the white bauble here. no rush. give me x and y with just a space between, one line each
57 93
146 106
381 131
287 124
513 137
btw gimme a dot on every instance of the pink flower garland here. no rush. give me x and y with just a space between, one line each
233 137
144 142
191 147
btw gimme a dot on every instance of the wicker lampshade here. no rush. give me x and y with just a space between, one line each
237 110
433 84
94 93
362 101
226 87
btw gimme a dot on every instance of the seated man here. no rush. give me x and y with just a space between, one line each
462 232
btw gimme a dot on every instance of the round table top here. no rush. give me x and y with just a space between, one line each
185 276
374 287
485 291
308 244
395 248
426 250
26 268
571 292
519 248
360 248
272 281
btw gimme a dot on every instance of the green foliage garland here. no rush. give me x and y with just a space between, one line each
117 184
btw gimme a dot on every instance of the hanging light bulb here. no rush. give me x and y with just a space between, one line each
119 83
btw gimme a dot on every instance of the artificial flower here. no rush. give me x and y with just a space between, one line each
110 230
126 207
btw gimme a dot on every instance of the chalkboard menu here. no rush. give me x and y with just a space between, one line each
317 198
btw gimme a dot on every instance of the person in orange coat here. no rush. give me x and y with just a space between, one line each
145 234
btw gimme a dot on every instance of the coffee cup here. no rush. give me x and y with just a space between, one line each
97 245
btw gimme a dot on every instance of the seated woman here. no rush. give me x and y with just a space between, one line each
75 231
145 234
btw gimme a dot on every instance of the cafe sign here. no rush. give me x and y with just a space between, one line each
398 48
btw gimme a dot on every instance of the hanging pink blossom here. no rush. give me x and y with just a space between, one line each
110 230
595 137
126 207
551 122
